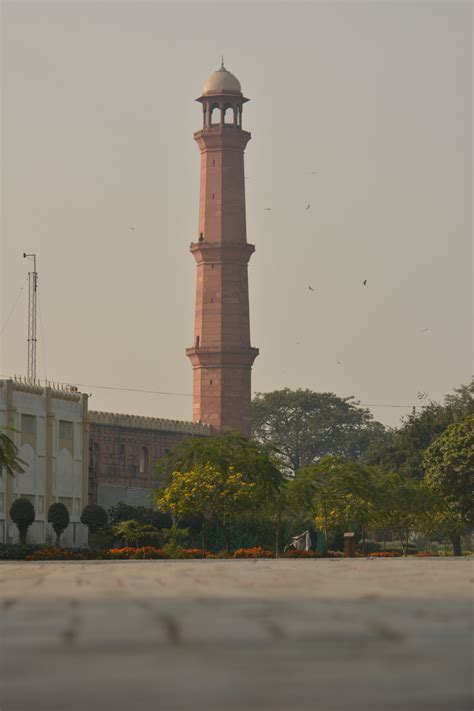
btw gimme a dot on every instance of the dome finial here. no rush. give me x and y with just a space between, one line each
222 62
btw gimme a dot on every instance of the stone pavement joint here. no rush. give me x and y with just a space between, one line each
344 635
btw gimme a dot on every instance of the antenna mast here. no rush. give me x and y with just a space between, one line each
32 302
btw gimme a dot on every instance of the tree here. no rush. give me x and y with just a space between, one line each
403 505
58 516
449 468
94 517
9 459
209 492
403 448
224 451
22 513
301 426
342 493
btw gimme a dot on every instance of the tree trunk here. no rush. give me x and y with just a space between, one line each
406 544
456 541
403 542
58 536
203 542
277 536
226 538
22 532
363 540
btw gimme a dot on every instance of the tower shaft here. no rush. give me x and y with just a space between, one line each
222 355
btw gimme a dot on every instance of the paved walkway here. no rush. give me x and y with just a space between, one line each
324 635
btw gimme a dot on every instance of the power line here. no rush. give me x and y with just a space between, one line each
164 392
13 307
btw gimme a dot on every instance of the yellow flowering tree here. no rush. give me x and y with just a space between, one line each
215 494
342 493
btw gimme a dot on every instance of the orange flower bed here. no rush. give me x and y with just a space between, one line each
56 554
129 553
384 554
256 552
292 553
195 553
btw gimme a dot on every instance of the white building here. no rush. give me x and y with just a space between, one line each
49 426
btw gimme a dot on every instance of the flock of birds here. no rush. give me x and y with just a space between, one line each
310 288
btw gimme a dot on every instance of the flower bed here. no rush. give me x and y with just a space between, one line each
57 554
256 552
292 553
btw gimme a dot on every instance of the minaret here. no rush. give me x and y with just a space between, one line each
222 356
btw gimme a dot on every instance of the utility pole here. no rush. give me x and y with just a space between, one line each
32 302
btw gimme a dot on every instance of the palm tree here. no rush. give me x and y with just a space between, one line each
9 458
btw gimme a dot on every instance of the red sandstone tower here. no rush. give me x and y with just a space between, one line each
222 356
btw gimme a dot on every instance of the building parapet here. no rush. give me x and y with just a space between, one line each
34 386
114 419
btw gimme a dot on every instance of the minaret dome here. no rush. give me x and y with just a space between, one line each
221 82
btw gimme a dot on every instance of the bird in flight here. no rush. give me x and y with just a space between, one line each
365 282
424 330
310 288
130 227
308 206
339 362
267 209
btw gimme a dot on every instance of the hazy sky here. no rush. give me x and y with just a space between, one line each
98 116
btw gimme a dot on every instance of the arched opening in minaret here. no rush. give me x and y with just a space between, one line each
229 115
215 115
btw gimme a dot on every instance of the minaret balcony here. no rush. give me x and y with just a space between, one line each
220 355
215 252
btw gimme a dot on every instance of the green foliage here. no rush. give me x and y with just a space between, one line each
211 493
94 517
136 533
403 505
403 449
58 516
449 468
124 512
18 551
102 538
223 451
342 495
301 426
22 513
176 539
9 459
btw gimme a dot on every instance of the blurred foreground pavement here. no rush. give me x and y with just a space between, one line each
282 635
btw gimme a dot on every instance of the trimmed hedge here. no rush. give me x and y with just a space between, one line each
17 551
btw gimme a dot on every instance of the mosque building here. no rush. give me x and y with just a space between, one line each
78 456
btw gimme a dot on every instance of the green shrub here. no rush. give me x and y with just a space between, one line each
136 533
17 551
22 513
102 539
58 516
94 517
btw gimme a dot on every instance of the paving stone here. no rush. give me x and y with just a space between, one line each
380 635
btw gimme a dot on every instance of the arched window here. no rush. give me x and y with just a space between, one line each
229 115
144 460
215 115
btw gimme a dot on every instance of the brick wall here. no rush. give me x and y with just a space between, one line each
123 450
